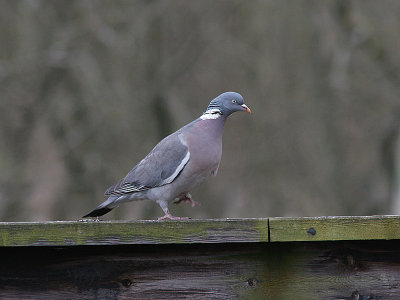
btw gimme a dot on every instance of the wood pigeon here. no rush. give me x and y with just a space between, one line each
177 163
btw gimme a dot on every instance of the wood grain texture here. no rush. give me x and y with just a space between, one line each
133 232
294 270
200 231
334 228
203 259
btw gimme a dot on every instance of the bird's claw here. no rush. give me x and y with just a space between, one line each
170 217
187 198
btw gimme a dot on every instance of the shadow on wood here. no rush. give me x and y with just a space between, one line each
320 270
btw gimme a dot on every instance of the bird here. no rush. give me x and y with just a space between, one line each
178 163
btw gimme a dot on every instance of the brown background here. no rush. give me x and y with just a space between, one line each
87 88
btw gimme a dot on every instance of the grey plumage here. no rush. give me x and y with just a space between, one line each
177 163
158 168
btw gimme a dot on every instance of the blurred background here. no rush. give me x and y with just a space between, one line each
87 88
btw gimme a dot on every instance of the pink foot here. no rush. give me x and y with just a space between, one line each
169 216
187 198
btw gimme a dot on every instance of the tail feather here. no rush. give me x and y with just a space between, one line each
103 208
97 212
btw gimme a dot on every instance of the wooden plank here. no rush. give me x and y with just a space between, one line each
334 228
200 231
292 270
133 232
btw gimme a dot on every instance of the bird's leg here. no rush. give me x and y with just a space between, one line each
187 198
168 215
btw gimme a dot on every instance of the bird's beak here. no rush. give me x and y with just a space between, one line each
246 108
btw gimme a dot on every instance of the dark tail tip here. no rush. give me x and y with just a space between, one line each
98 212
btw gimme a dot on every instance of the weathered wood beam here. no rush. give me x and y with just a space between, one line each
275 258
334 228
289 270
63 233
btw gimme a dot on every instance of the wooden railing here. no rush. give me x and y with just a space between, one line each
263 258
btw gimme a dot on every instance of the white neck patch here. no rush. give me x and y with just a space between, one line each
211 114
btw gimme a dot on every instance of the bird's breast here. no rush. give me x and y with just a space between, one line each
205 146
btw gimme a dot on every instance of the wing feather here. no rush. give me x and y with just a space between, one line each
161 166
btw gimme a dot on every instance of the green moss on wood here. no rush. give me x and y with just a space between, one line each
200 231
334 228
136 232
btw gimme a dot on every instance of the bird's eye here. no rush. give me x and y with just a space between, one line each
233 101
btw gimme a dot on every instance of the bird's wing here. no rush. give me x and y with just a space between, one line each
161 166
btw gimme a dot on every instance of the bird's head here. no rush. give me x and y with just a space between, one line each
224 105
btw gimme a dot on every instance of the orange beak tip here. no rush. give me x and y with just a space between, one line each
248 110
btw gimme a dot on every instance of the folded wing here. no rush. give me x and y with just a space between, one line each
161 166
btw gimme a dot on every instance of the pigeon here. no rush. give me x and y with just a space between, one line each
178 163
